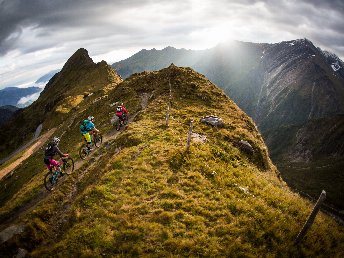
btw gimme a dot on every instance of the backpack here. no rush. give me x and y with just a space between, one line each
49 150
83 126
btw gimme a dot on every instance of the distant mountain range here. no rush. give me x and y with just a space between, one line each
45 78
14 95
22 97
293 90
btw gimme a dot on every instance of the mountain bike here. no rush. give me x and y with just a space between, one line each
121 122
52 177
97 140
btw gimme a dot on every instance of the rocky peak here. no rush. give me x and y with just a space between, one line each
63 92
79 59
172 66
169 48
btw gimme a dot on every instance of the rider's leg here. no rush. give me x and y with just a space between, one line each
56 165
88 140
47 163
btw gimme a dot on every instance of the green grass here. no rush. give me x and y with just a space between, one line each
147 196
21 186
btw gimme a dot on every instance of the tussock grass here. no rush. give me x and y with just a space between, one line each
69 103
153 198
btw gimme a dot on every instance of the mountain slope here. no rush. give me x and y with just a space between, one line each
143 194
285 87
6 112
278 85
79 78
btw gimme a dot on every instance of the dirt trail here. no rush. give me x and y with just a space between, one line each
33 148
69 197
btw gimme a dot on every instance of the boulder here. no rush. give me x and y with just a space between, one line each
212 120
245 146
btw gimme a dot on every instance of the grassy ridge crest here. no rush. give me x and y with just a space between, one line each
143 194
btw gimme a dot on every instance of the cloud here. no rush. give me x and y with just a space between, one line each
39 35
25 101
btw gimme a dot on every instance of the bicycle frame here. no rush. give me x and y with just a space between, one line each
60 162
53 168
65 166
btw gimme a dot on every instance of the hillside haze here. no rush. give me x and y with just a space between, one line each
286 88
142 193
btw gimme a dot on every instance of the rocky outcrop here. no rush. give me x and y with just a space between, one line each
212 120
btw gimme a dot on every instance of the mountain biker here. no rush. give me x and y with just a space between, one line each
86 127
121 112
50 151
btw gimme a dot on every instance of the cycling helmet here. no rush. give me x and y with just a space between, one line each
56 140
90 118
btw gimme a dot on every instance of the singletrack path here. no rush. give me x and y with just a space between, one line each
9 228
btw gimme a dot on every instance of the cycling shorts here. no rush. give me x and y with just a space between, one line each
50 163
87 137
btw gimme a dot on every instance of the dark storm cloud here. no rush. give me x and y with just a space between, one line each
337 5
53 19
52 15
320 21
38 35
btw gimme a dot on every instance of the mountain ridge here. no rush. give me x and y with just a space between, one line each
79 78
142 193
285 87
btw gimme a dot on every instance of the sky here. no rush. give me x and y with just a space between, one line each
38 36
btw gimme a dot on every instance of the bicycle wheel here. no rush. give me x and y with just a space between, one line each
68 165
98 139
125 122
118 125
83 152
50 181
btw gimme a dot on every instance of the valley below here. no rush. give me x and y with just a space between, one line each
310 180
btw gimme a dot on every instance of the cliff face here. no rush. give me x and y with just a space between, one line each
298 86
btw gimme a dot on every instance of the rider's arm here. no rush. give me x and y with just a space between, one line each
125 111
60 153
